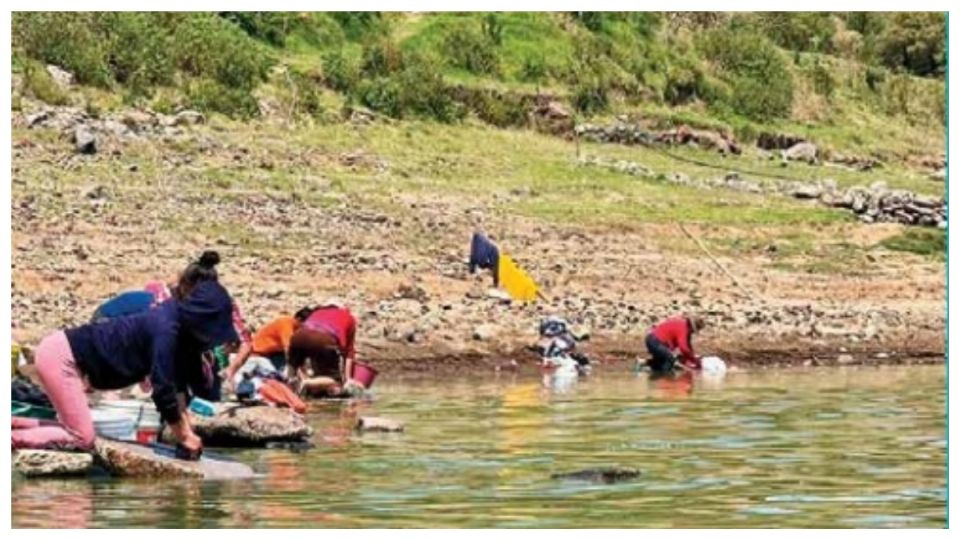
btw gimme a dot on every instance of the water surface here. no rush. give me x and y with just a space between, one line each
796 448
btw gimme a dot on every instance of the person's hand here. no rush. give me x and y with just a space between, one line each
193 443
187 438
226 375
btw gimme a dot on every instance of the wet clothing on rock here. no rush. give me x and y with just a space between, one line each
165 343
484 254
669 336
123 304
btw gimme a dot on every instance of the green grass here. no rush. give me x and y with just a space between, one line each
927 242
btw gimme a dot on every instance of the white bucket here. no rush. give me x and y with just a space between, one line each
713 365
114 424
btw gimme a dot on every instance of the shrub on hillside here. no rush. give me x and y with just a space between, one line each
207 46
360 24
381 56
141 51
68 40
915 42
340 71
469 48
799 31
757 73
417 90
270 26
210 95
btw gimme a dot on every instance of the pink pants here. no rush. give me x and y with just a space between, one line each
65 387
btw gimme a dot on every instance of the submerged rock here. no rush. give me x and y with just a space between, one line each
51 463
373 423
606 475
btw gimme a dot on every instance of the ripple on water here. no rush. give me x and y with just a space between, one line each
769 511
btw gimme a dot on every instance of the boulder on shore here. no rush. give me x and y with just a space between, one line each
245 426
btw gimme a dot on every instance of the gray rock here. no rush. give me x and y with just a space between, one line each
484 332
373 423
188 118
607 475
84 141
62 77
802 151
37 118
807 191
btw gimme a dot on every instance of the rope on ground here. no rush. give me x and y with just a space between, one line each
715 261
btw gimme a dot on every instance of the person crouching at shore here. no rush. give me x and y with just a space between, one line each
670 339
271 342
164 343
322 351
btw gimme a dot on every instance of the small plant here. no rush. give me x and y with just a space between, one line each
928 242
493 28
340 72
39 84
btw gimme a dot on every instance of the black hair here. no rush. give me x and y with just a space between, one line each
203 269
304 312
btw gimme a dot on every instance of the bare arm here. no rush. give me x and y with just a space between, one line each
238 361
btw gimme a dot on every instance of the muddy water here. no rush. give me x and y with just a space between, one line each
820 448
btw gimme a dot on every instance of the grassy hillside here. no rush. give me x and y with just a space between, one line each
841 79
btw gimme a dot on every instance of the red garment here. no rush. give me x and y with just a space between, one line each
339 322
675 334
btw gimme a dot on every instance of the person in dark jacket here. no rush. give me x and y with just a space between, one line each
484 254
670 336
164 344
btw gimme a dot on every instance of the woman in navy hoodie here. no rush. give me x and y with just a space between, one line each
163 344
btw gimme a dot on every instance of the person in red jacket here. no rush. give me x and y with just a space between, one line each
673 336
326 340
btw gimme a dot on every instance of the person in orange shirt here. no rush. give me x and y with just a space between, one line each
271 342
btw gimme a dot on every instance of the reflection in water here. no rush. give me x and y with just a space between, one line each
54 503
817 448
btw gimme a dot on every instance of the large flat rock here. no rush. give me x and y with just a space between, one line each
240 426
126 459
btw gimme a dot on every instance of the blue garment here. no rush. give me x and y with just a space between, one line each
165 343
123 304
484 254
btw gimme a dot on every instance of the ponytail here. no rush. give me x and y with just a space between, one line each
203 269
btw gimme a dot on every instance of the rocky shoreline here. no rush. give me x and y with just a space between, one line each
91 225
